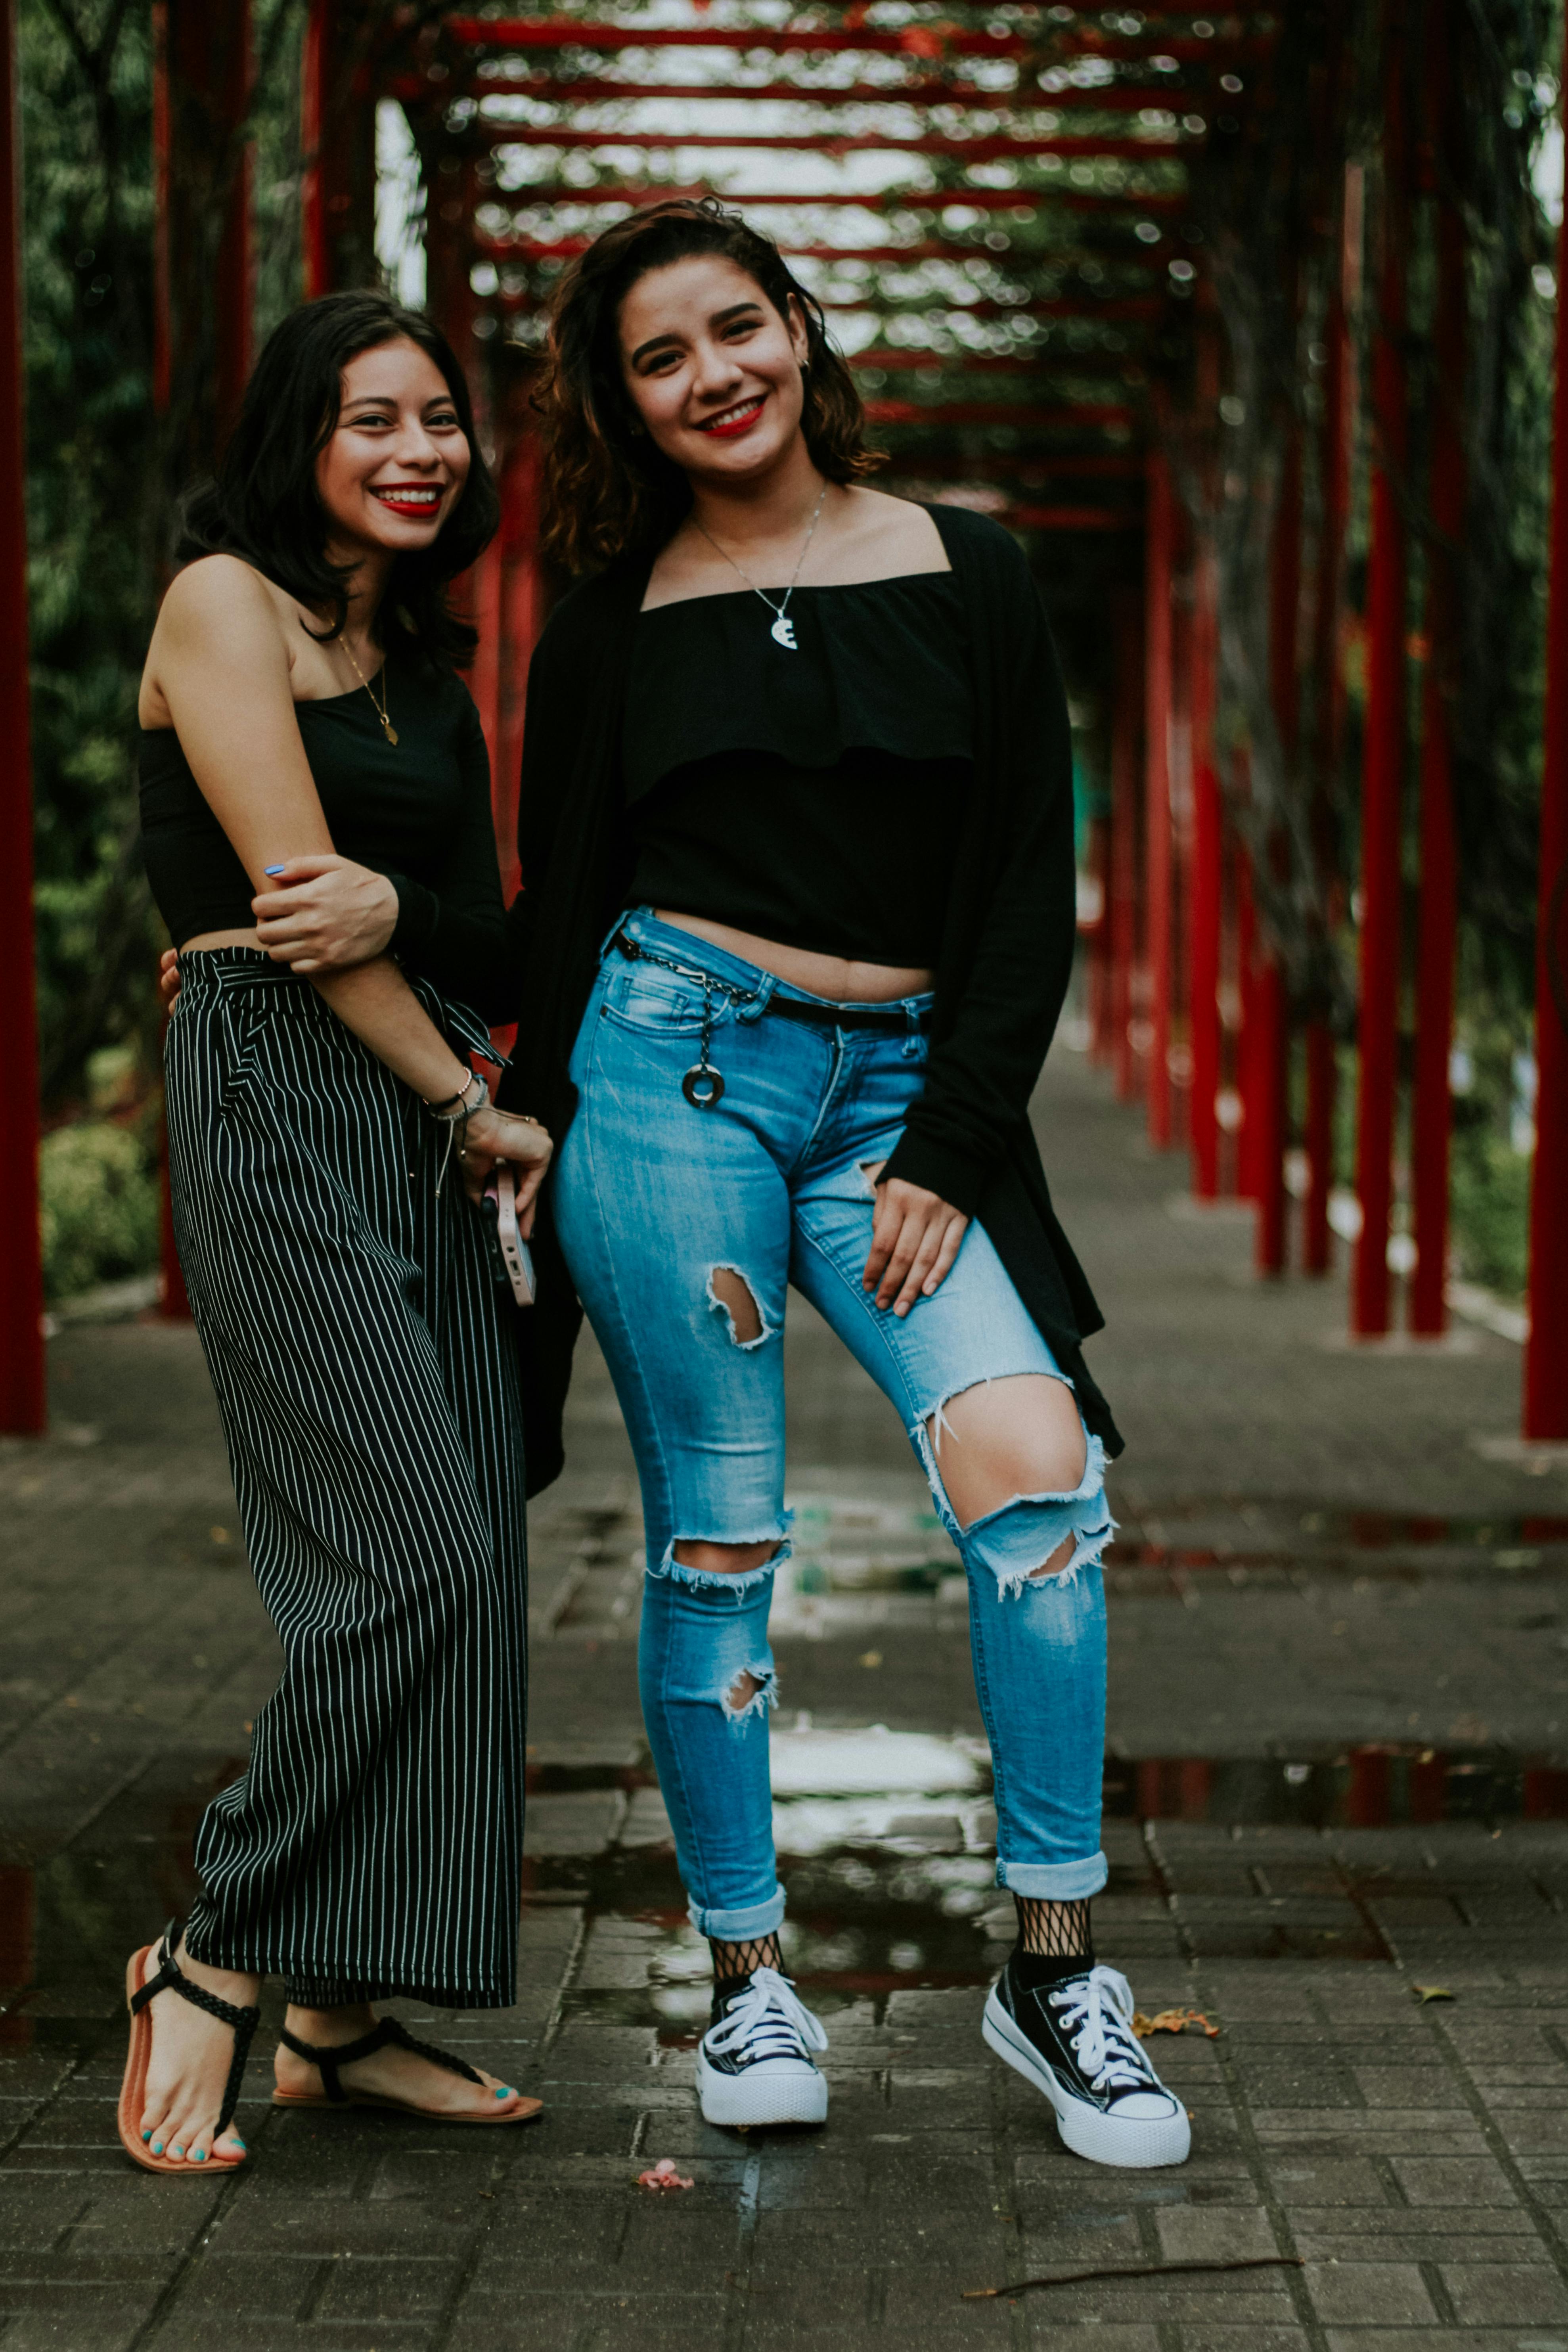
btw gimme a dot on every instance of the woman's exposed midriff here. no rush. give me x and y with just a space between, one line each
820 975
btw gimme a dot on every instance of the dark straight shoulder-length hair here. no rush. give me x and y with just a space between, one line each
608 491
263 503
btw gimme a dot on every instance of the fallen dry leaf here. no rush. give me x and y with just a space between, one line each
1172 2021
663 2175
1424 1993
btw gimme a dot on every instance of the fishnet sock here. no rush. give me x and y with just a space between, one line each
1054 1931
732 1963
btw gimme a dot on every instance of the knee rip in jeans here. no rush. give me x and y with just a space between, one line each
1047 1535
738 1584
731 1295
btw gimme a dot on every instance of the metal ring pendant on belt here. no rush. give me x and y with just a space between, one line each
703 1085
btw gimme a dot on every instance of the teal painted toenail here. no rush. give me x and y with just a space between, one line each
157 2147
146 2134
177 2151
201 2155
503 2095
239 2144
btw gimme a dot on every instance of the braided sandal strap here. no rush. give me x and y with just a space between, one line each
242 2022
437 2057
386 2032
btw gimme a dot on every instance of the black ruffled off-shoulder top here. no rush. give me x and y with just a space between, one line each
807 795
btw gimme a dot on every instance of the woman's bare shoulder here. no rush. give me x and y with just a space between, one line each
222 594
887 536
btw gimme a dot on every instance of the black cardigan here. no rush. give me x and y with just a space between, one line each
1001 978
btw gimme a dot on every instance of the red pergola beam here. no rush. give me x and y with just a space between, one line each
23 1410
1023 201
500 34
1115 311
1546 1350
527 249
1117 98
980 150
979 412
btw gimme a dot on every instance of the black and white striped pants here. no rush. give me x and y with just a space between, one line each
355 1334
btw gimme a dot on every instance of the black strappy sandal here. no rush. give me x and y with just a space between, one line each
133 2090
387 2033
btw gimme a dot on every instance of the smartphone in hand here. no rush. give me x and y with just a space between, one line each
513 1256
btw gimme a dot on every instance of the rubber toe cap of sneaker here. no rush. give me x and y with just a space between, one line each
1146 2107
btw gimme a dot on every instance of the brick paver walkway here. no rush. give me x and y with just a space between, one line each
1338 1736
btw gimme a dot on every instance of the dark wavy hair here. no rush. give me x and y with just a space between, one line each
263 503
608 490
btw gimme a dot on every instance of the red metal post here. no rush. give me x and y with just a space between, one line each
1099 939
1440 854
202 68
23 1406
337 137
1158 551
1123 911
1334 463
524 610
203 72
1546 1352
1205 900
1267 1104
1382 762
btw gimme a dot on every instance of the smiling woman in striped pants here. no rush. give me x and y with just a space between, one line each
311 762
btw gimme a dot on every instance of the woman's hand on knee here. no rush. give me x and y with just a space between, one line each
325 914
915 1237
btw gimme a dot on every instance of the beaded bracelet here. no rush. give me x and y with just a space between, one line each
455 1111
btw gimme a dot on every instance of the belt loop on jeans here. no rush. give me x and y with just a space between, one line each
912 1020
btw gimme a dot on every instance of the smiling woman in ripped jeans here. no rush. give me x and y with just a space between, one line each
796 836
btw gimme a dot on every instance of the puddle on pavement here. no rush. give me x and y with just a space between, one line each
1361 1788
886 1846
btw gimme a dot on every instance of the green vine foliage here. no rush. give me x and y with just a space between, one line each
97 510
86 116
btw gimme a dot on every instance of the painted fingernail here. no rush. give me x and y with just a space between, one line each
272 869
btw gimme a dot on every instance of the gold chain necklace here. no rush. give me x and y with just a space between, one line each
387 729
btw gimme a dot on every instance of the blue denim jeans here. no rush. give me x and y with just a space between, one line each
655 1199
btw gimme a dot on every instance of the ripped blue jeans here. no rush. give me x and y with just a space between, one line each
658 1202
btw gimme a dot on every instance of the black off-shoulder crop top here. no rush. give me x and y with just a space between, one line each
807 796
418 812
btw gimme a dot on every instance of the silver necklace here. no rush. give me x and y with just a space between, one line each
783 630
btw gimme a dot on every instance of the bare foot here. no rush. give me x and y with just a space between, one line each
391 2072
187 2072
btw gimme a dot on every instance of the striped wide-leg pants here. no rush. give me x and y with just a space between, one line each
355 1334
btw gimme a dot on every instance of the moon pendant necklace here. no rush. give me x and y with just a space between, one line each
782 629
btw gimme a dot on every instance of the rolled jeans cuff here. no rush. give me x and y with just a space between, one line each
739 1926
1054 1881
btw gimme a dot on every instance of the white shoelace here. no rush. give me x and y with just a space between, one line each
1099 2006
769 2016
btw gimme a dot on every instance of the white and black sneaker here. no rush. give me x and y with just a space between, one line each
1073 2039
754 2064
